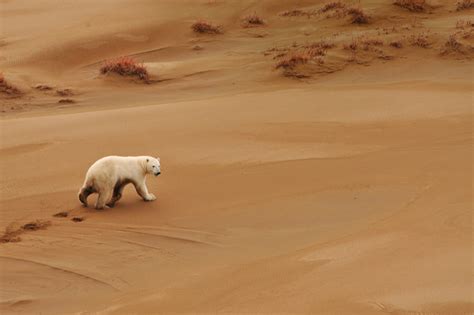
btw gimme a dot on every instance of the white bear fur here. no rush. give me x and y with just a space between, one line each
109 175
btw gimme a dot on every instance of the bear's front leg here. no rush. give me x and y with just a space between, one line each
142 190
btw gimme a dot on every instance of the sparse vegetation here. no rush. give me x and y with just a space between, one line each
253 20
291 60
205 27
297 12
462 24
372 42
464 5
332 6
353 45
319 48
452 43
363 43
7 88
358 16
396 44
420 40
64 92
66 101
411 5
125 66
43 87
322 44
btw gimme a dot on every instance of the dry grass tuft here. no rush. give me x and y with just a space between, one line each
43 87
204 27
13 235
7 88
353 45
290 61
253 20
319 48
372 42
396 44
64 92
363 43
125 66
297 12
332 6
412 5
462 24
420 40
464 5
454 45
66 101
358 16
322 44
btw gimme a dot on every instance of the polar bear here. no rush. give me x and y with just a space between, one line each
109 175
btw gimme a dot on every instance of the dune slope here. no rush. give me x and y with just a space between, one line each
342 187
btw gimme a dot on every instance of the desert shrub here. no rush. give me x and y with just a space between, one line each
411 5
253 20
396 44
464 24
204 27
420 40
452 43
291 60
464 5
332 6
319 48
125 66
372 42
298 12
358 16
322 44
353 45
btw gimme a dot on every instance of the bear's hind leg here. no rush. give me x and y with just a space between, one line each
104 197
84 193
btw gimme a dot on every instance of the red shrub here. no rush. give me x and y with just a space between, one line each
253 20
332 6
204 27
358 16
125 66
464 4
411 5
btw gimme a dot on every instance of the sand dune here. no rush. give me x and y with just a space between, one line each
342 185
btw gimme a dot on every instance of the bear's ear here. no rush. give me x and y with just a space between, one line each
158 158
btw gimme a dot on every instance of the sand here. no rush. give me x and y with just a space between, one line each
336 188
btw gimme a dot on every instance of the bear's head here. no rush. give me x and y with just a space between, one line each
153 165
